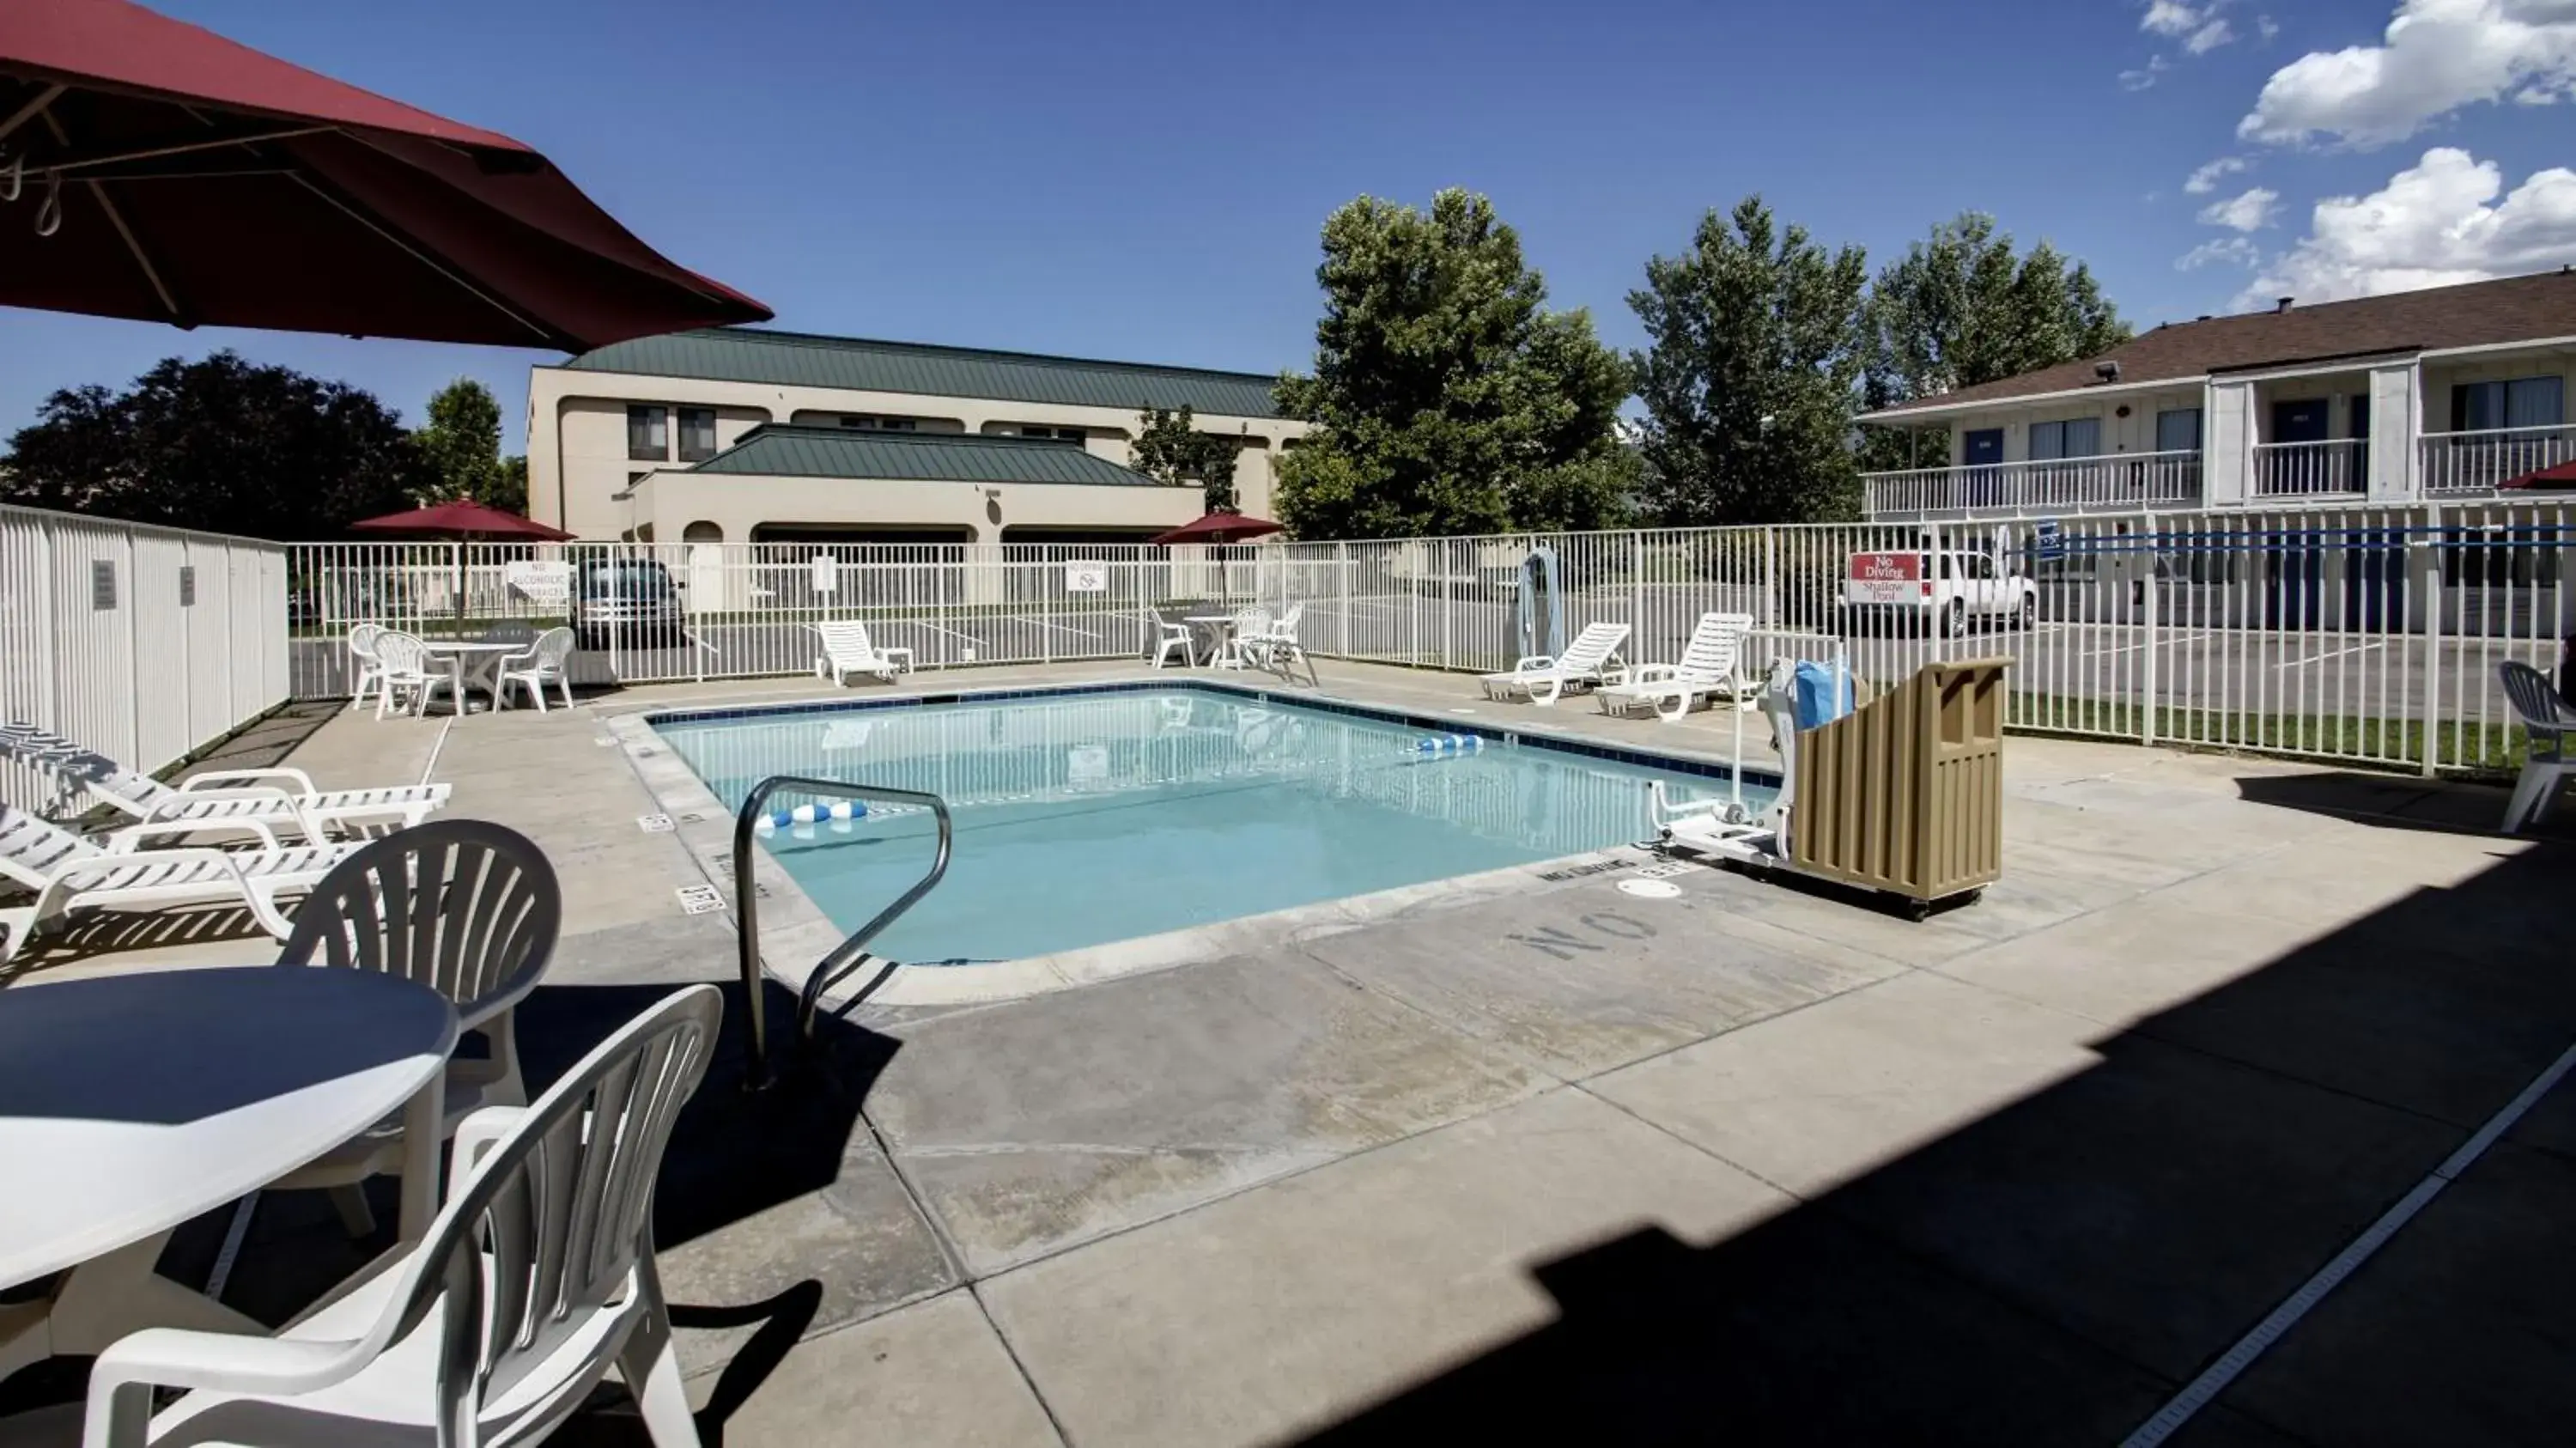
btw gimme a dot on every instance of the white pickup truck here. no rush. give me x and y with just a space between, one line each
1948 590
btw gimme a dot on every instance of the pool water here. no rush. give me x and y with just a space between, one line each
1087 818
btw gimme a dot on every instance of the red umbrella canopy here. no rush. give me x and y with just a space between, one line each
464 519
154 170
1219 528
2561 476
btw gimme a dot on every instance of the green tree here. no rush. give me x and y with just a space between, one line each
1750 379
220 444
1168 447
1446 397
461 444
1963 307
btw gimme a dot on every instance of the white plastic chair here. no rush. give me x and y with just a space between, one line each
362 656
1169 636
1248 623
2546 721
68 873
1712 663
845 649
536 1278
547 661
281 797
1591 660
402 663
1275 639
468 908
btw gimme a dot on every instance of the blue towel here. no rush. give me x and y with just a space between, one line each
1823 693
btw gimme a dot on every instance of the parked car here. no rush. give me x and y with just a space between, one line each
631 599
1947 590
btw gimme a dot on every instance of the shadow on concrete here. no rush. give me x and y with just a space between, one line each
2053 1271
2396 802
734 1153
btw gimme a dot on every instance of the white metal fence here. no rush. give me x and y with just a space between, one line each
143 643
2346 632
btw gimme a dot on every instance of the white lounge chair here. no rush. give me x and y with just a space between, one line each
68 873
845 650
1711 664
547 661
2546 722
283 798
1589 662
536 1278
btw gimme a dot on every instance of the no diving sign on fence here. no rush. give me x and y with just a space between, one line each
1092 577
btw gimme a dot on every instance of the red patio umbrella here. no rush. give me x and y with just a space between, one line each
154 170
467 521
1219 528
2561 476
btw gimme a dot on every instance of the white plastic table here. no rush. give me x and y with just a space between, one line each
1220 630
130 1104
466 656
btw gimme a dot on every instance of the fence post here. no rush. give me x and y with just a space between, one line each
1342 572
2432 583
1636 586
2150 608
1770 577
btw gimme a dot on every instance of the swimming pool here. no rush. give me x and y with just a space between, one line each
1084 817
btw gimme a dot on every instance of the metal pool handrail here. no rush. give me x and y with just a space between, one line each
837 963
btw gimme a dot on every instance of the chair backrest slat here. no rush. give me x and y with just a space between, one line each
32 849
2533 699
401 653
1592 646
845 637
1716 645
468 908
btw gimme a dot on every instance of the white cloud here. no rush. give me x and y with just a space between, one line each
2249 212
2437 56
2171 18
2209 37
2140 79
2226 250
2265 27
2436 223
2205 180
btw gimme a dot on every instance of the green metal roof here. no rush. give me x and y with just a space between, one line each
778 451
797 359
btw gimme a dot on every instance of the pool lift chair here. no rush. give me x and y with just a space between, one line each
1902 797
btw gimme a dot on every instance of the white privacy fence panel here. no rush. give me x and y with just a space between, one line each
2321 629
143 643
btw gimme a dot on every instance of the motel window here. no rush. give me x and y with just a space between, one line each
877 424
2519 402
2076 437
697 434
2178 430
648 433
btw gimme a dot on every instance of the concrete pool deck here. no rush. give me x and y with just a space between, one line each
1560 1160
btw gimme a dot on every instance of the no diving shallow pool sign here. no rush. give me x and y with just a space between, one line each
2047 541
1086 577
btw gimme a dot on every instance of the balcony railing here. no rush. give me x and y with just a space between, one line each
2055 485
2473 462
2306 469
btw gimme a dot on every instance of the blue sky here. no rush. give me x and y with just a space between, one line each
1146 182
